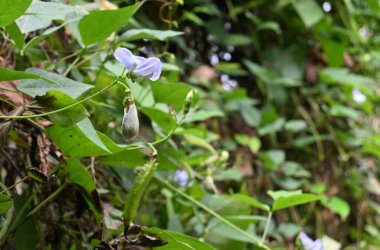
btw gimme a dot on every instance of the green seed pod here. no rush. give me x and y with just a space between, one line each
188 101
130 125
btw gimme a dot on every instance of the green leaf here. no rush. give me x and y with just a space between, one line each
343 76
295 125
162 119
50 10
249 200
10 10
170 93
16 35
30 23
99 24
176 240
79 175
56 100
136 34
39 38
10 75
309 11
127 158
285 199
337 205
5 203
203 115
78 141
38 87
340 110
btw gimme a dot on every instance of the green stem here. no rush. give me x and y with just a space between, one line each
8 219
216 215
6 189
47 200
64 108
266 227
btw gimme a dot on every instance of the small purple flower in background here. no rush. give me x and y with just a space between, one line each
181 177
359 97
310 244
139 66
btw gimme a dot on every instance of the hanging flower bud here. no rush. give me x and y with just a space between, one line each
130 125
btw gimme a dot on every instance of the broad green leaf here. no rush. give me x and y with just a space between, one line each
251 116
262 73
272 127
16 35
170 93
309 11
99 24
249 200
285 199
50 10
295 125
127 158
340 110
202 115
72 19
55 100
162 119
337 205
39 87
168 158
10 10
253 143
136 34
10 75
78 141
272 159
30 23
79 175
5 203
343 76
334 51
176 240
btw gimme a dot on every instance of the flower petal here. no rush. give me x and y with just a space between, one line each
126 57
151 68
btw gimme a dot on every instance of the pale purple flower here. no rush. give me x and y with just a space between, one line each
139 66
310 244
358 96
181 177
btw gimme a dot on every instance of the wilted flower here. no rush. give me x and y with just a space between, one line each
310 244
139 66
359 97
181 177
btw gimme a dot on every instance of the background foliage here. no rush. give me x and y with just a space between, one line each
282 135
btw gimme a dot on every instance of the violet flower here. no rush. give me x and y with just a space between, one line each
310 244
359 97
181 177
139 66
